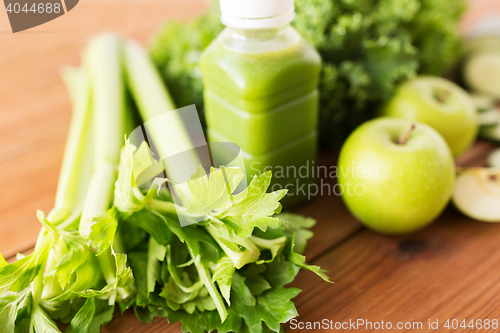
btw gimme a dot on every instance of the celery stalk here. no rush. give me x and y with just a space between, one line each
76 167
76 171
239 258
103 65
102 61
153 100
205 277
99 196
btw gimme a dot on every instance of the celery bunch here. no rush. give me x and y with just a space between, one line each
109 243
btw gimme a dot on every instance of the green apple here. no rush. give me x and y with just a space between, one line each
477 194
483 102
396 180
440 104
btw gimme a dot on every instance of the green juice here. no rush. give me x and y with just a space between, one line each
260 92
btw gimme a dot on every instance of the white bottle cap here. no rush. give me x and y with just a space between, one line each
256 14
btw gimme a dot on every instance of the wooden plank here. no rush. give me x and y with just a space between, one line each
25 252
476 156
333 221
28 184
449 270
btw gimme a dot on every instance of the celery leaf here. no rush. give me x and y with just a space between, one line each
299 225
18 275
223 275
124 278
69 263
42 322
83 320
300 261
8 317
156 254
125 198
214 192
271 308
255 201
103 231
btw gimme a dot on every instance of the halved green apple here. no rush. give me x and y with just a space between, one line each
489 117
490 132
477 194
482 72
483 102
494 159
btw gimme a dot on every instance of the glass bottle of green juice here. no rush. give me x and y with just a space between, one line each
260 82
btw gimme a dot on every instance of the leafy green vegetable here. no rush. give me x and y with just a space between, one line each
223 275
156 254
41 322
69 263
82 322
103 231
368 47
123 278
8 318
102 62
299 225
18 275
300 261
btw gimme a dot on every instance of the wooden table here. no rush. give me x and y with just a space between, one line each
449 270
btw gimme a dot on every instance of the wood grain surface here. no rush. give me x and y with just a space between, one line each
449 270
